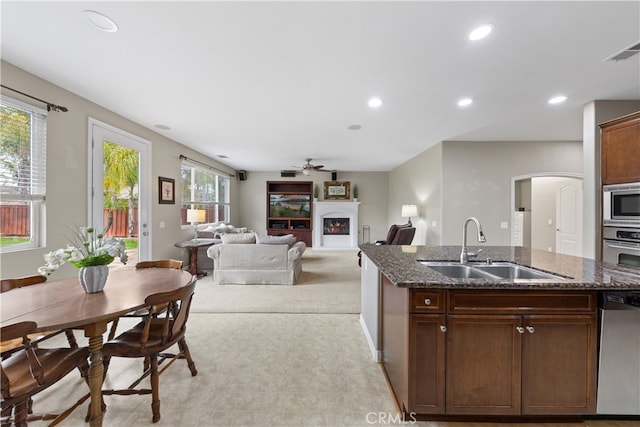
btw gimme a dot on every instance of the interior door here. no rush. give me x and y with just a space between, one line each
105 137
569 217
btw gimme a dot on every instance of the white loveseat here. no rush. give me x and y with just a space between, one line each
269 263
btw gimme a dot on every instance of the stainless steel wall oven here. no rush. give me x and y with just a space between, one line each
621 246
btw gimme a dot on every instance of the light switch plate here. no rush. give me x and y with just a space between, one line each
504 225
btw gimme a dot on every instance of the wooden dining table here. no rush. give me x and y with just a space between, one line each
63 304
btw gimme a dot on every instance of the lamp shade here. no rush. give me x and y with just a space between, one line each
196 215
409 211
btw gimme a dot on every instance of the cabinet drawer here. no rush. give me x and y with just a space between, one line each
513 302
428 301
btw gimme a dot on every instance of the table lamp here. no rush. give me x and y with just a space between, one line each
195 216
408 211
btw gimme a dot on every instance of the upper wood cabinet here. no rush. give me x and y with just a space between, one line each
621 150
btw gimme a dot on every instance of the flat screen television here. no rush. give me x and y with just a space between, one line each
289 205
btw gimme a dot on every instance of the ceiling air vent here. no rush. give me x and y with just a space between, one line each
625 53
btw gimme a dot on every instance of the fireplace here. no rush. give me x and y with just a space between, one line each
335 226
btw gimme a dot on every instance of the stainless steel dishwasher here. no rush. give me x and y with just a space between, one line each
619 361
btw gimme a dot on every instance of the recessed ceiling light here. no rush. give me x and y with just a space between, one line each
465 102
354 127
481 32
162 127
101 21
557 99
375 102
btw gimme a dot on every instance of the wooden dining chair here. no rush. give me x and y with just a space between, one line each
6 346
159 263
30 370
153 335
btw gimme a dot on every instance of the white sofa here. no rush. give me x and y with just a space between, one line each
256 263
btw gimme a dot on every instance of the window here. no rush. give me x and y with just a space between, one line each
23 130
204 188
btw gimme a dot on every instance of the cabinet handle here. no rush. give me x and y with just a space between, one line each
530 329
520 329
443 328
427 301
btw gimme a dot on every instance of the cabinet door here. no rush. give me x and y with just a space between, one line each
483 364
621 151
559 364
427 340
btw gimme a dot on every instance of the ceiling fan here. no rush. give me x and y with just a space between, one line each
307 168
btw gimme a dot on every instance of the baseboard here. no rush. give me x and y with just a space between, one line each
375 354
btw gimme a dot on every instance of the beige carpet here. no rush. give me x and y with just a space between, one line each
329 283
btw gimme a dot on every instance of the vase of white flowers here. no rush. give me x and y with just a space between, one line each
91 253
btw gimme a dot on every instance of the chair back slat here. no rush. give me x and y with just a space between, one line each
17 330
14 283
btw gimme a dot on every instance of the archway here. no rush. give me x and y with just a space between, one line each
547 212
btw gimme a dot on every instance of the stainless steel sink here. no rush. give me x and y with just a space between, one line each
494 271
514 271
457 271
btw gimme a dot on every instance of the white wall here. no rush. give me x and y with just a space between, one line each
67 152
457 179
372 189
477 180
418 181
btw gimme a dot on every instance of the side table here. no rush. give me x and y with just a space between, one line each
193 245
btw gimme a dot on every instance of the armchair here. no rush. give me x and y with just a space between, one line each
397 235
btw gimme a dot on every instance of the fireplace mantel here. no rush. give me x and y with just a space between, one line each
335 209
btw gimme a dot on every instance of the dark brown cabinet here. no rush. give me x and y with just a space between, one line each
521 365
621 150
493 352
559 364
483 365
289 209
427 363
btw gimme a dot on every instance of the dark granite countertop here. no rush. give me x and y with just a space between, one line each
399 264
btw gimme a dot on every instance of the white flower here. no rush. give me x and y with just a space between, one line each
87 250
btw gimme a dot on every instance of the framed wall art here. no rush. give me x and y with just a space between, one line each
167 190
337 190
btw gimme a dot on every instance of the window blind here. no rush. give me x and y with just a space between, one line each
23 151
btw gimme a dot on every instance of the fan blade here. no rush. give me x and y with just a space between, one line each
317 167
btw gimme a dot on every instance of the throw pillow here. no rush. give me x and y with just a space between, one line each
239 238
287 239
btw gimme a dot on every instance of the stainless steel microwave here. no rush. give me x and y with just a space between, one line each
621 204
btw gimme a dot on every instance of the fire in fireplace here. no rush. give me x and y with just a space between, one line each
336 226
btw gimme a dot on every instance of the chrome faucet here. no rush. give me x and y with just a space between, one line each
464 255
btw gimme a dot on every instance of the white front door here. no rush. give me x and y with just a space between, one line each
569 217
100 135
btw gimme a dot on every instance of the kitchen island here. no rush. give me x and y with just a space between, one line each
487 347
